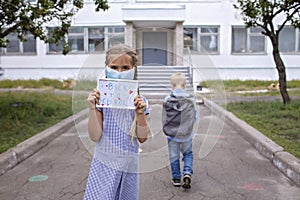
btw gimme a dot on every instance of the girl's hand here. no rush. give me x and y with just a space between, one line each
139 104
93 99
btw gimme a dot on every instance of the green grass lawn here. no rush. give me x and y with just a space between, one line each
50 84
24 114
244 85
41 83
279 122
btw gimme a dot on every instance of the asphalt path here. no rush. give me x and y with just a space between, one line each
226 166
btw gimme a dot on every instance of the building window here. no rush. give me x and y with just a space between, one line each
190 38
203 39
96 39
89 39
15 46
76 39
289 39
209 39
248 40
29 46
115 35
55 48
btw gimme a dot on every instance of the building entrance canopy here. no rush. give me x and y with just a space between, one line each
157 15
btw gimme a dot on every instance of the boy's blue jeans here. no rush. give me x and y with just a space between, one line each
175 148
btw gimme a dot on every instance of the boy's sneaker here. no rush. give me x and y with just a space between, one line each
187 181
176 182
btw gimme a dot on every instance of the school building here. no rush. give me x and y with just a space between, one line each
207 37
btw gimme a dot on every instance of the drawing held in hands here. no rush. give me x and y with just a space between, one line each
116 93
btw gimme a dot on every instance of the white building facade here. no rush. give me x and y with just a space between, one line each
206 35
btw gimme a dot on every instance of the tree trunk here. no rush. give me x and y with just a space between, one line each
281 69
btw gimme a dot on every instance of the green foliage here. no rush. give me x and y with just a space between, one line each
25 114
101 4
41 83
22 17
45 82
263 13
86 85
279 122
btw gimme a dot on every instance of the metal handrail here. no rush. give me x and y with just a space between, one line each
190 66
1 71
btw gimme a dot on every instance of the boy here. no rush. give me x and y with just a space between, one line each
179 117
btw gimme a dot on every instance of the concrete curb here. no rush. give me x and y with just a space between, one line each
284 161
15 155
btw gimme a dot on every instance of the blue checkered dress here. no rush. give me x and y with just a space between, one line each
114 169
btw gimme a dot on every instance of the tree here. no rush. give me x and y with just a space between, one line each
264 14
25 16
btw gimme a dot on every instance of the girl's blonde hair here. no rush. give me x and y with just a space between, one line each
121 49
178 80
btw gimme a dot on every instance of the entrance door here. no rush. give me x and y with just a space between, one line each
154 48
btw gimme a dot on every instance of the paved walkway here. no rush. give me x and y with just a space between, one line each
232 170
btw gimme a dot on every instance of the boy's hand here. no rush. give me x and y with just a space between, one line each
139 104
93 99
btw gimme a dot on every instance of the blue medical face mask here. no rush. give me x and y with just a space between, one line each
111 73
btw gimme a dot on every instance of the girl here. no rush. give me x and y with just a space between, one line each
114 169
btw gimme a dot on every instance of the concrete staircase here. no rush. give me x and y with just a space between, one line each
154 81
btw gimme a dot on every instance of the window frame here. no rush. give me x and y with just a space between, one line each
4 52
111 33
76 34
296 48
199 48
248 36
86 37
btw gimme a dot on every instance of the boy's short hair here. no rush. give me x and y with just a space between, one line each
178 81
